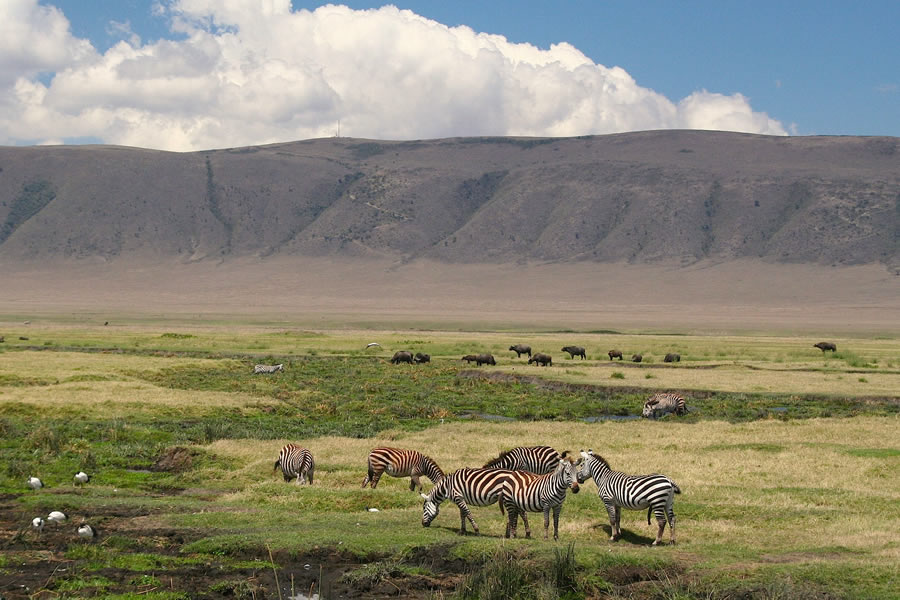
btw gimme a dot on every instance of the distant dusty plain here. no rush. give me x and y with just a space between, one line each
743 296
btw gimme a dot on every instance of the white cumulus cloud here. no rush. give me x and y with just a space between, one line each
242 72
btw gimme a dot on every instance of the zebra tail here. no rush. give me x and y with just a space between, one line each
649 510
675 488
277 464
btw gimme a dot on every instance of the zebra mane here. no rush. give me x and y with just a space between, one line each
601 459
496 461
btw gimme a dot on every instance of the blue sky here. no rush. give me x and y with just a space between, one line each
801 68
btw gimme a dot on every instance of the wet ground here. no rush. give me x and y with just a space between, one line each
139 558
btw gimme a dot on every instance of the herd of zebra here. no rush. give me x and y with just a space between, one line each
521 480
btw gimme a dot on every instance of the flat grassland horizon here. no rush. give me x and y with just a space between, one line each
744 296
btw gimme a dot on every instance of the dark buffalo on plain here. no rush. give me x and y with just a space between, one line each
521 349
672 357
541 359
823 346
615 354
637 357
485 359
470 358
575 351
422 358
402 356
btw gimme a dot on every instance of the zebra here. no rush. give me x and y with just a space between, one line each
661 404
540 493
398 462
478 487
536 459
654 492
296 461
266 369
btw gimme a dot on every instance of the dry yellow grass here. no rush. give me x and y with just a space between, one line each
772 486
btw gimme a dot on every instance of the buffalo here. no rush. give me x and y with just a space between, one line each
521 349
541 359
402 356
615 354
672 357
823 346
575 351
485 359
470 358
637 357
422 358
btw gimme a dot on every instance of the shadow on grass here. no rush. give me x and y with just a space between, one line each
629 537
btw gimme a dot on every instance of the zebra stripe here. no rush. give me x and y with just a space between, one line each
536 459
661 404
267 369
540 493
654 492
398 462
478 487
296 461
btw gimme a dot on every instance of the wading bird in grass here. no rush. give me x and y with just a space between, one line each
35 483
82 477
58 517
38 524
87 532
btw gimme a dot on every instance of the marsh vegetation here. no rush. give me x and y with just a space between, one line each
788 462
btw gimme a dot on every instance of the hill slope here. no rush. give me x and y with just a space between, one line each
649 197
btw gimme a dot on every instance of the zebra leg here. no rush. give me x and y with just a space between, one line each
464 513
527 527
661 524
556 510
613 524
373 483
618 521
671 514
546 511
512 519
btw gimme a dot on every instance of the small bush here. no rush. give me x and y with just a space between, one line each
617 375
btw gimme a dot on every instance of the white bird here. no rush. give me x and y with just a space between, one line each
57 517
35 483
87 532
372 345
82 477
372 509
37 523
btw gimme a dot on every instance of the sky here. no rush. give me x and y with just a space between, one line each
187 75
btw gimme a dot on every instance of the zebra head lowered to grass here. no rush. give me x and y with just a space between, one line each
540 493
536 459
478 487
654 492
400 462
663 404
296 462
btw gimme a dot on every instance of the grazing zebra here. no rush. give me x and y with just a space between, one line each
654 492
536 459
398 462
478 487
662 404
267 369
296 461
540 493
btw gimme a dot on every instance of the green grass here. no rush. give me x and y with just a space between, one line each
784 494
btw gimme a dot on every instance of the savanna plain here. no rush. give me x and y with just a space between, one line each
788 461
